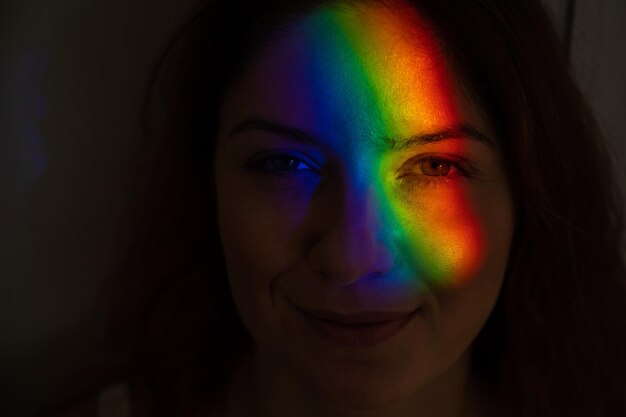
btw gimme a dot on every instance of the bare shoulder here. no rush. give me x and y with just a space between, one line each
112 401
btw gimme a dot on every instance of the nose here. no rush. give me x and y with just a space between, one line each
352 243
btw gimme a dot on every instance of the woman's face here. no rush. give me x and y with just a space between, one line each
354 177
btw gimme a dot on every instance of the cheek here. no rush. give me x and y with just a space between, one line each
256 240
257 231
451 237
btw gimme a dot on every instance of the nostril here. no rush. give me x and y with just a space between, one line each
347 261
351 238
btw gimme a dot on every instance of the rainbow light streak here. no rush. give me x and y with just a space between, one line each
376 75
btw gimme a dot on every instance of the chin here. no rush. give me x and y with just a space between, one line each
358 398
357 388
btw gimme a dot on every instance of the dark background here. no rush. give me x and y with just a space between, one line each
71 77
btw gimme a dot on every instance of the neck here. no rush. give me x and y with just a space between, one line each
262 387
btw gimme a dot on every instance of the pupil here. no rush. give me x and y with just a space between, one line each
284 163
436 167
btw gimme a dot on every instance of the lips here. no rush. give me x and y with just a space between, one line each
369 317
363 329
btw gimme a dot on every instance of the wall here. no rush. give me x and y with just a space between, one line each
72 74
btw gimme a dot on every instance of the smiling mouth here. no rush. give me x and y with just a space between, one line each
365 329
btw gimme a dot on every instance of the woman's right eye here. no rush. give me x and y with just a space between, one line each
282 164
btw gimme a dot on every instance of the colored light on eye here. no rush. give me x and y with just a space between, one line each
283 163
386 74
435 167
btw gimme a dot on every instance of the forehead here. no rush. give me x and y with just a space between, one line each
356 71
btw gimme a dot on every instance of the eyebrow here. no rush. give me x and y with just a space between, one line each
460 131
288 132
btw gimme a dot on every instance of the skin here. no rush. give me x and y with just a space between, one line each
335 234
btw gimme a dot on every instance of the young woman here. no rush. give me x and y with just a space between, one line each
377 208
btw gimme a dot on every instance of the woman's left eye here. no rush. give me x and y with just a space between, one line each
435 167
435 170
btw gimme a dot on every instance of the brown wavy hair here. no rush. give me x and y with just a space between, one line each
555 344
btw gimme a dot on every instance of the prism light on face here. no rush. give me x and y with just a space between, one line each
355 176
392 85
